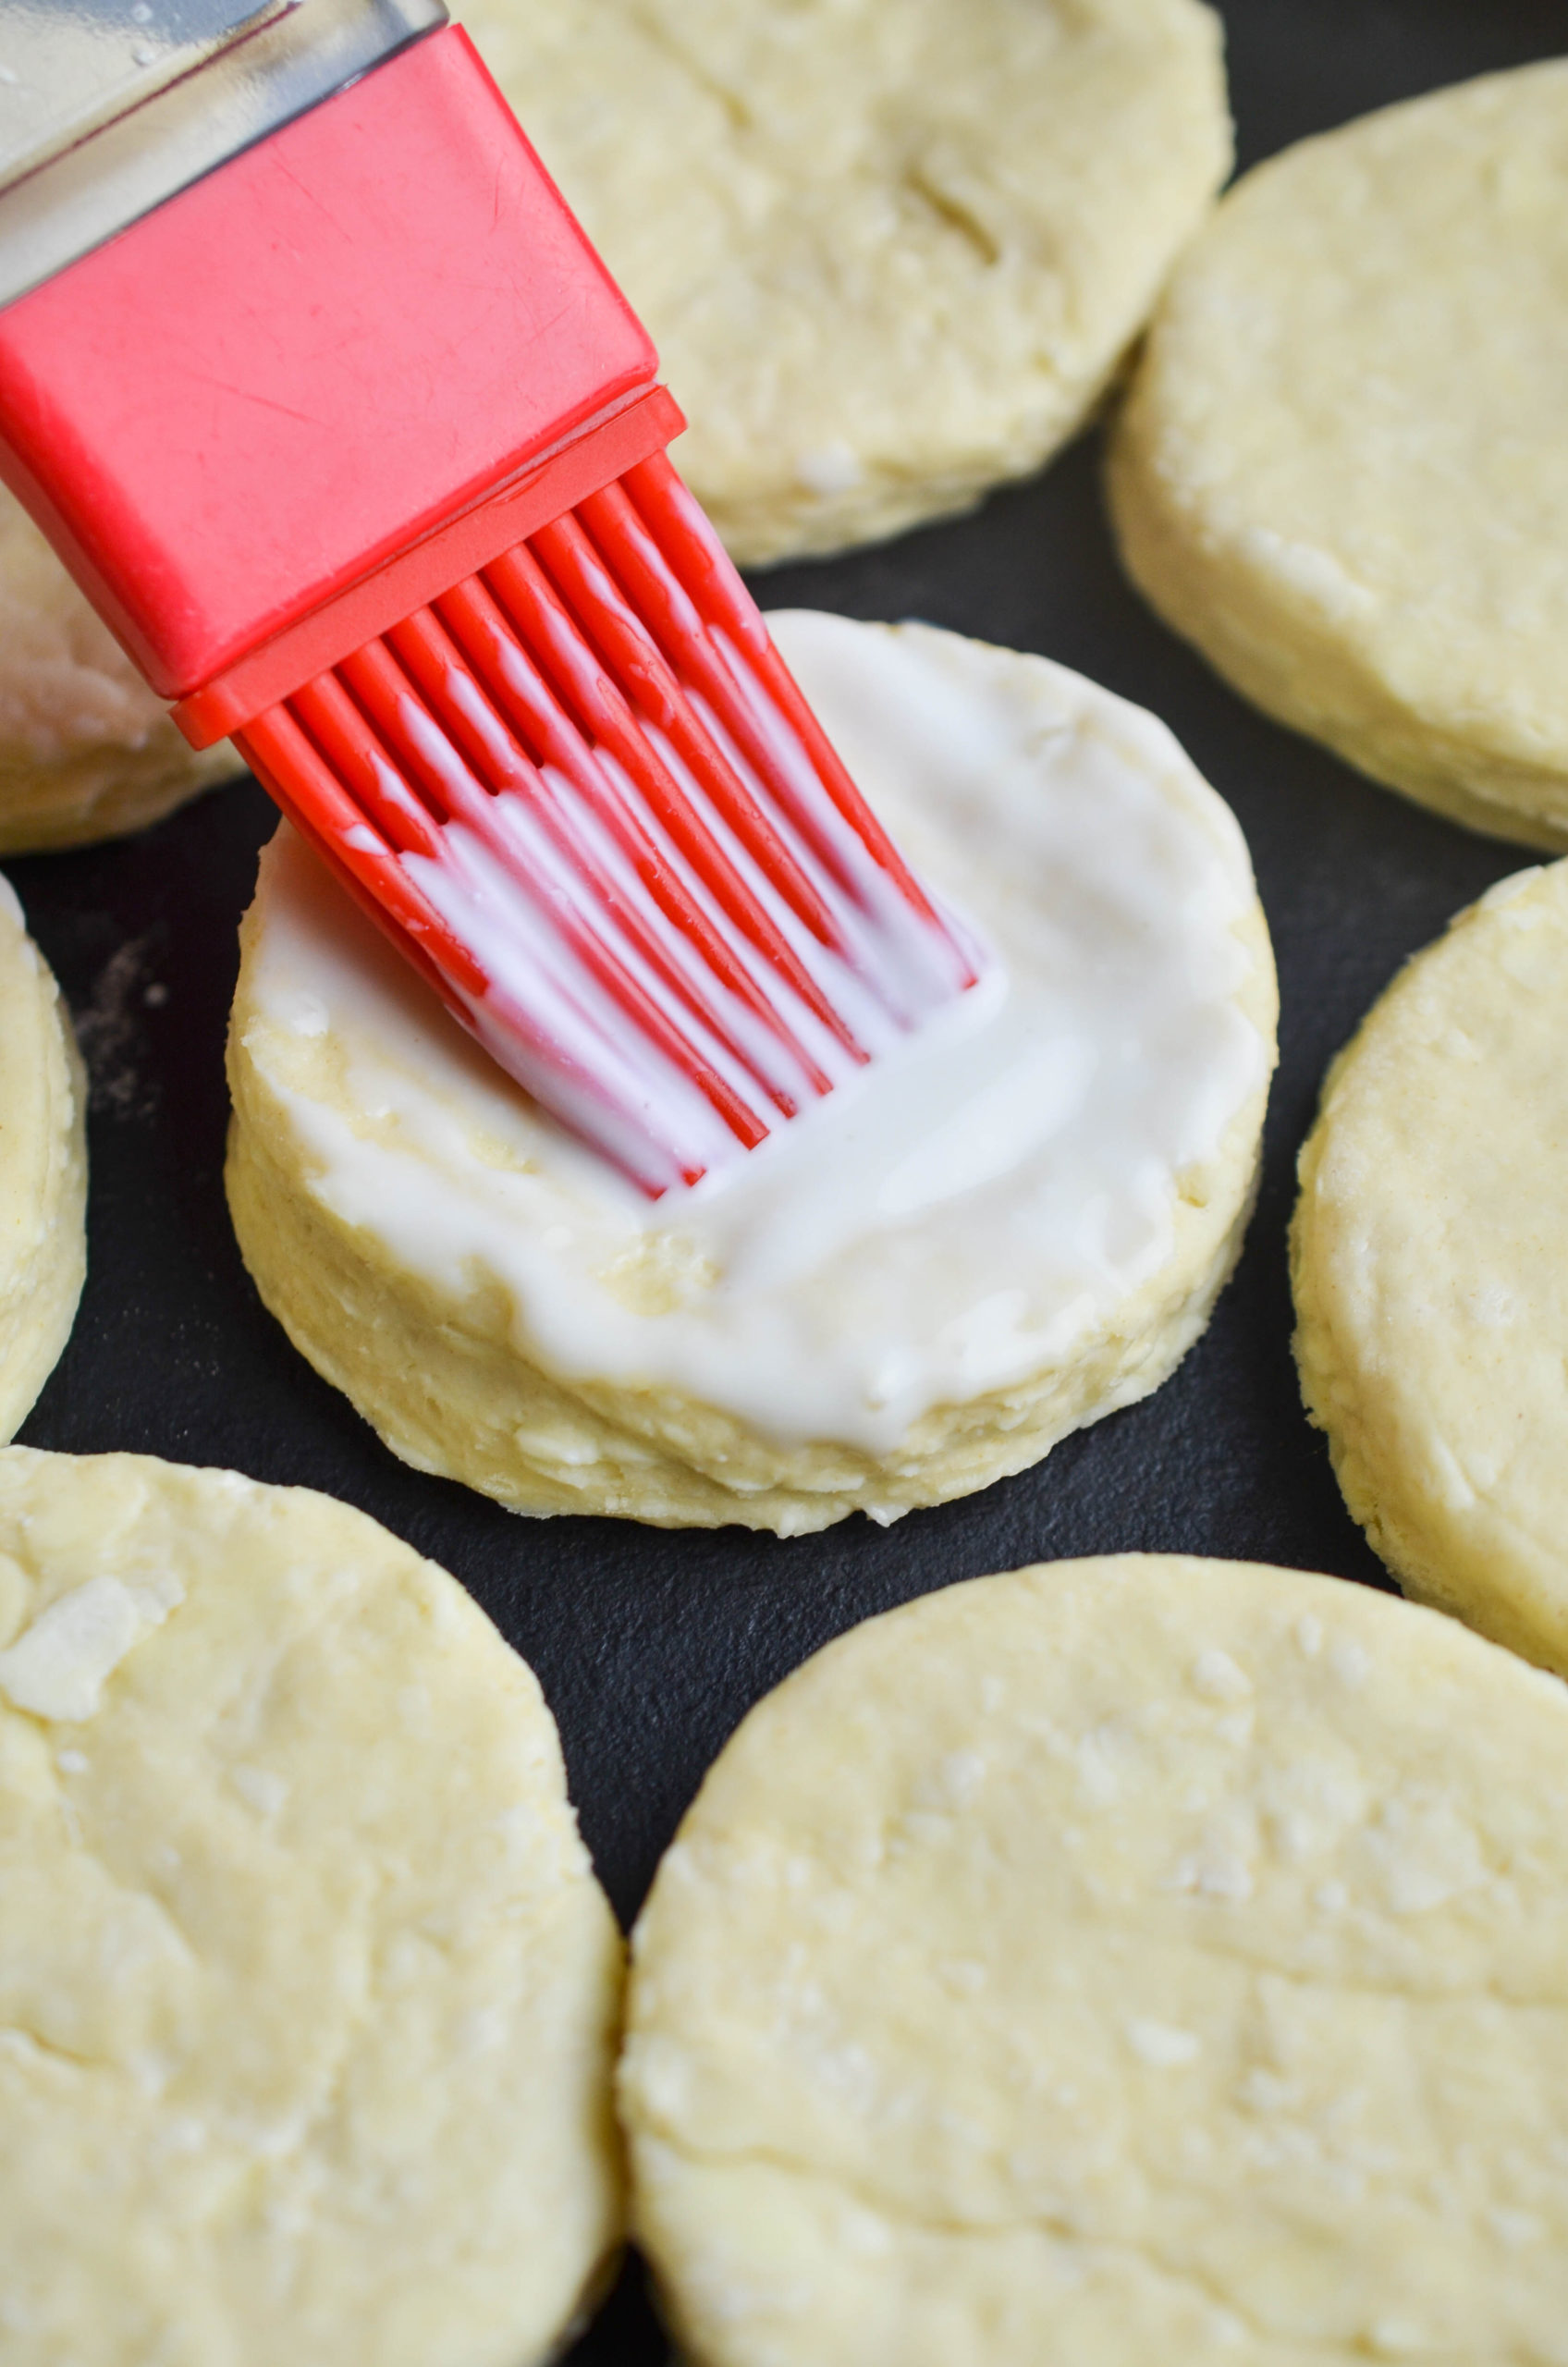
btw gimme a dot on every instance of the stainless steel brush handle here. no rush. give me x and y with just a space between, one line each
109 106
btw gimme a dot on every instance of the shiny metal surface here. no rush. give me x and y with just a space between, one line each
68 67
107 107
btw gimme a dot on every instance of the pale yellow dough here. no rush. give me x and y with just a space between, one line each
1342 471
1122 1963
890 254
43 1170
1430 1260
87 750
308 1996
413 1222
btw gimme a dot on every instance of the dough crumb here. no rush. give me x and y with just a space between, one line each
260 1788
58 1668
1219 1679
1157 2044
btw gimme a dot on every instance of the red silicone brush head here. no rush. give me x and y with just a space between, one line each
356 446
301 364
584 787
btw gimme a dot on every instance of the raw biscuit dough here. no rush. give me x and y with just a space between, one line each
1342 471
890 254
43 1170
915 1289
308 1995
1429 1254
87 750
1127 1961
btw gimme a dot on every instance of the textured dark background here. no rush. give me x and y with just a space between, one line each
650 1646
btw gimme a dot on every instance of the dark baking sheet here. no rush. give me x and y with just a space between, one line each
651 1646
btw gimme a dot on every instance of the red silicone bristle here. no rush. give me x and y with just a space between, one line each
410 730
707 574
434 665
628 550
426 756
329 718
587 769
638 668
507 675
298 780
360 750
457 701
596 704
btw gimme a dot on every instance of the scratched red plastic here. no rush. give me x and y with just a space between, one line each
266 385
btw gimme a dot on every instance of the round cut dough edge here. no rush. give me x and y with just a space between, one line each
1430 1280
87 750
1129 1959
1362 533
892 255
309 1999
447 1366
43 1170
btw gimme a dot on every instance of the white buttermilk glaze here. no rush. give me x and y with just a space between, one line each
947 1226
528 876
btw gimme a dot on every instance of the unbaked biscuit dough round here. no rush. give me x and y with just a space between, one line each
923 1284
1429 1254
43 1170
1342 471
1120 1962
87 750
308 1995
889 256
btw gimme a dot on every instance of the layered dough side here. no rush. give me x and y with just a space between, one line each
43 1170
87 750
441 1377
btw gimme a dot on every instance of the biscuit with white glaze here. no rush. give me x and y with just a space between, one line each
308 1995
1342 471
993 1238
1123 1961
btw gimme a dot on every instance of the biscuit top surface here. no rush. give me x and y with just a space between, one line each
1355 386
306 1988
950 1224
887 254
1119 1959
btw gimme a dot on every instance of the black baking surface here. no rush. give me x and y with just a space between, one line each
650 1646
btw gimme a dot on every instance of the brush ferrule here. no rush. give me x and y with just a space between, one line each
108 109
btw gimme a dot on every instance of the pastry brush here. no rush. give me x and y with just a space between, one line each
325 400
